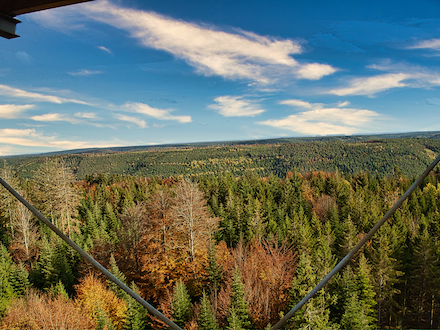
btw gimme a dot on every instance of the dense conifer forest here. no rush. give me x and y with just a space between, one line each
216 248
348 155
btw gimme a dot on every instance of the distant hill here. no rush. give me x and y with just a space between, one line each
411 152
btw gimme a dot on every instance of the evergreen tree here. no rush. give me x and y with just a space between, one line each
366 290
206 319
137 315
239 309
386 276
19 279
114 269
234 320
315 313
59 290
181 307
6 288
425 283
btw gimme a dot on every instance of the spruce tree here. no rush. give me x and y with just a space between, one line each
137 315
239 306
181 307
114 269
6 289
19 279
366 290
206 320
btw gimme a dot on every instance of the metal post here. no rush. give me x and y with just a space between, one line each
350 255
86 256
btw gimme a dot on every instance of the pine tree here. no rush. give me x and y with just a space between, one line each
239 308
19 279
425 283
137 315
59 290
366 290
114 269
6 289
206 319
315 313
215 273
386 276
181 306
235 323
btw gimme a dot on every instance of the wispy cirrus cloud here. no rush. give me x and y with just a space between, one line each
36 97
78 118
236 106
318 119
86 115
433 44
32 138
12 140
233 55
105 49
398 76
12 111
372 85
161 114
54 117
85 72
136 121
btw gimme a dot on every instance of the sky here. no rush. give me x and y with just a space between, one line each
136 72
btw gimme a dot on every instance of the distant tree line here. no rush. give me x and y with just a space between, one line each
378 156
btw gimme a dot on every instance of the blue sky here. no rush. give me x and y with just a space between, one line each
130 72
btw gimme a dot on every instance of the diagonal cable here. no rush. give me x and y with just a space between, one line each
86 256
350 255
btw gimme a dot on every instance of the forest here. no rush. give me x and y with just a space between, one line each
346 155
224 251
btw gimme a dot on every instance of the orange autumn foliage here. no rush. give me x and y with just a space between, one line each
267 271
41 311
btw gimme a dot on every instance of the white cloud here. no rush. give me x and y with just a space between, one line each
85 72
139 122
54 117
105 49
86 115
79 118
235 106
343 104
321 120
315 71
232 55
397 76
6 150
36 97
15 141
31 138
11 111
372 85
299 103
433 44
161 114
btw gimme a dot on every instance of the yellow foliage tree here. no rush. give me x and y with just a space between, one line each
98 300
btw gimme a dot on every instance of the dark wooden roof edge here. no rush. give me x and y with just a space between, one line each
19 7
